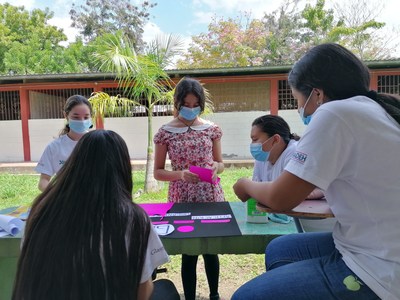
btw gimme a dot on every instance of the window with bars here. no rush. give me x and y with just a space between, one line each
9 106
285 97
161 109
49 104
389 84
239 96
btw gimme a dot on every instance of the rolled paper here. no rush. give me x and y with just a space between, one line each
205 174
11 225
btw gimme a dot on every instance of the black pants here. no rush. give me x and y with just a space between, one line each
189 277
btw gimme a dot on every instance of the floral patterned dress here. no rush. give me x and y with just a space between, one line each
191 146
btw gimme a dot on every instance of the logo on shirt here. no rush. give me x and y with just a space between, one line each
300 157
61 162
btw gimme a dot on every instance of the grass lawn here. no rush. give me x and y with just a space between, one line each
18 190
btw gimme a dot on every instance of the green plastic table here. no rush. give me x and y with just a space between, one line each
254 238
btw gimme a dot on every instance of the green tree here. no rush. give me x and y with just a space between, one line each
284 44
365 36
97 17
228 43
27 43
143 79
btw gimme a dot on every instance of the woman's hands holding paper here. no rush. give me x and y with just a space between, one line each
189 176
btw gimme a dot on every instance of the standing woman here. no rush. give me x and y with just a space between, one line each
77 112
350 150
191 141
85 239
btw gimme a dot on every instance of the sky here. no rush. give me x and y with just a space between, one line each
189 17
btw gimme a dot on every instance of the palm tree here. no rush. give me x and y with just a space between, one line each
104 105
142 77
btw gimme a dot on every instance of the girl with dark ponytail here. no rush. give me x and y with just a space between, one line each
350 150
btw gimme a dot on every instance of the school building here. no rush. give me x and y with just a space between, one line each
31 106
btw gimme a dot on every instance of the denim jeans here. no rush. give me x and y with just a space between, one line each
305 266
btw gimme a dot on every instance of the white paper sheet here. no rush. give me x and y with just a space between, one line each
10 225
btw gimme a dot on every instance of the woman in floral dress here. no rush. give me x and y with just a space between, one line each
191 141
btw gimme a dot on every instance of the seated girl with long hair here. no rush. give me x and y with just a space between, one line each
85 238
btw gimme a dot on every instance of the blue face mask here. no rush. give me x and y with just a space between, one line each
306 120
80 126
257 152
189 113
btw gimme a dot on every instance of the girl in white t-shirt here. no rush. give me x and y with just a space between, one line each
77 111
350 150
84 237
272 145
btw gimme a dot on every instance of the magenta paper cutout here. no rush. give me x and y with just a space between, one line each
216 221
204 174
159 222
157 209
185 228
183 221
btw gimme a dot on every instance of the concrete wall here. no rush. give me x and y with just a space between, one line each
235 126
11 146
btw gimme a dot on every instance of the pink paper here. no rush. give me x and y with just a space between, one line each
157 209
183 221
204 174
185 228
159 222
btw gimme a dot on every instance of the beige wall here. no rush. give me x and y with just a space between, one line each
11 147
235 127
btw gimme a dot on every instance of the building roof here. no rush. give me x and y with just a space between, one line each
233 71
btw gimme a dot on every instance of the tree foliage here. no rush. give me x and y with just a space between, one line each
142 77
97 17
228 43
28 44
282 36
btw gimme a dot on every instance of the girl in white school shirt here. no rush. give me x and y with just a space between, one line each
350 150
77 111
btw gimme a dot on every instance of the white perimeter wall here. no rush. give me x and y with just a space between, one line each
235 126
11 146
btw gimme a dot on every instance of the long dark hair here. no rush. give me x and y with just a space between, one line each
340 74
271 124
189 86
85 238
70 104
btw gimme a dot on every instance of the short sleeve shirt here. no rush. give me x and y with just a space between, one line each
55 155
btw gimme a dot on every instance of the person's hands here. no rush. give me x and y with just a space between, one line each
214 169
240 189
189 176
316 194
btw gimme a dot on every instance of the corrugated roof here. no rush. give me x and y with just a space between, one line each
232 71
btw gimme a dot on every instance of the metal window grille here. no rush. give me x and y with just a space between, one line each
161 109
239 96
49 104
10 106
389 84
285 97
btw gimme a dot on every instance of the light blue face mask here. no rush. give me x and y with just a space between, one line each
80 126
306 120
257 152
189 113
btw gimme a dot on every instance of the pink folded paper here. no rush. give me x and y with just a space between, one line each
157 209
204 174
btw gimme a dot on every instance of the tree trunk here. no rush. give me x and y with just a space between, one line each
150 184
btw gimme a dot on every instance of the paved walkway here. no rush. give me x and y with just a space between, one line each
28 167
